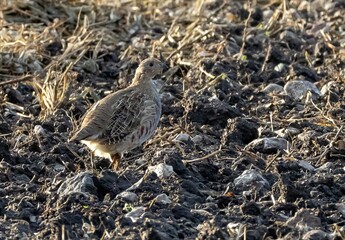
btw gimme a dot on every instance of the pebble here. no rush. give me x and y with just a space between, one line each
39 130
287 132
329 88
162 170
304 220
291 38
281 67
136 214
250 177
162 198
197 139
182 137
328 166
273 88
306 165
315 234
341 208
297 89
307 136
250 208
202 213
268 145
80 183
128 196
234 228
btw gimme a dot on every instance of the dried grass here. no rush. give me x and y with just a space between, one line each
182 32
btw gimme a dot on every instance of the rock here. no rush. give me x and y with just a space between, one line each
202 213
212 111
292 39
191 187
4 128
255 234
281 67
136 214
250 178
268 145
155 234
21 178
161 226
341 208
315 235
109 182
241 130
21 230
174 159
305 71
327 88
54 48
39 130
327 167
287 132
197 139
267 14
162 170
128 196
234 228
250 208
5 153
306 165
14 96
163 199
304 220
331 90
273 88
81 183
298 89
307 136
179 211
182 137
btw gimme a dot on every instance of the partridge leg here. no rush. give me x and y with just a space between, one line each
92 162
115 161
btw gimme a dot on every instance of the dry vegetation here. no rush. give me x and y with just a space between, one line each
59 57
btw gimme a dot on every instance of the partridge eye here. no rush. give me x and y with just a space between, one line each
151 64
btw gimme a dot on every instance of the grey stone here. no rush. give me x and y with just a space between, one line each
298 89
81 183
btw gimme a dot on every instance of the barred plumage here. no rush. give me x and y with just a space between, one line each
125 119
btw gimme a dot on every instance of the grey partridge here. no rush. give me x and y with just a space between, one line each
125 119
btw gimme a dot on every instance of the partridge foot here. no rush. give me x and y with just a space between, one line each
115 161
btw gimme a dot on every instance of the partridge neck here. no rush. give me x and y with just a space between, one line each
141 78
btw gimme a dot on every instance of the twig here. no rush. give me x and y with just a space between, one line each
185 44
16 80
202 158
268 53
213 82
240 54
272 161
163 137
330 145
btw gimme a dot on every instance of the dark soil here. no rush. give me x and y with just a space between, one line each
247 162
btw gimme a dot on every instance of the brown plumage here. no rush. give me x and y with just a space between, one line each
125 119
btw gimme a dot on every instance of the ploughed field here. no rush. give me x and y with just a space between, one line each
250 144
